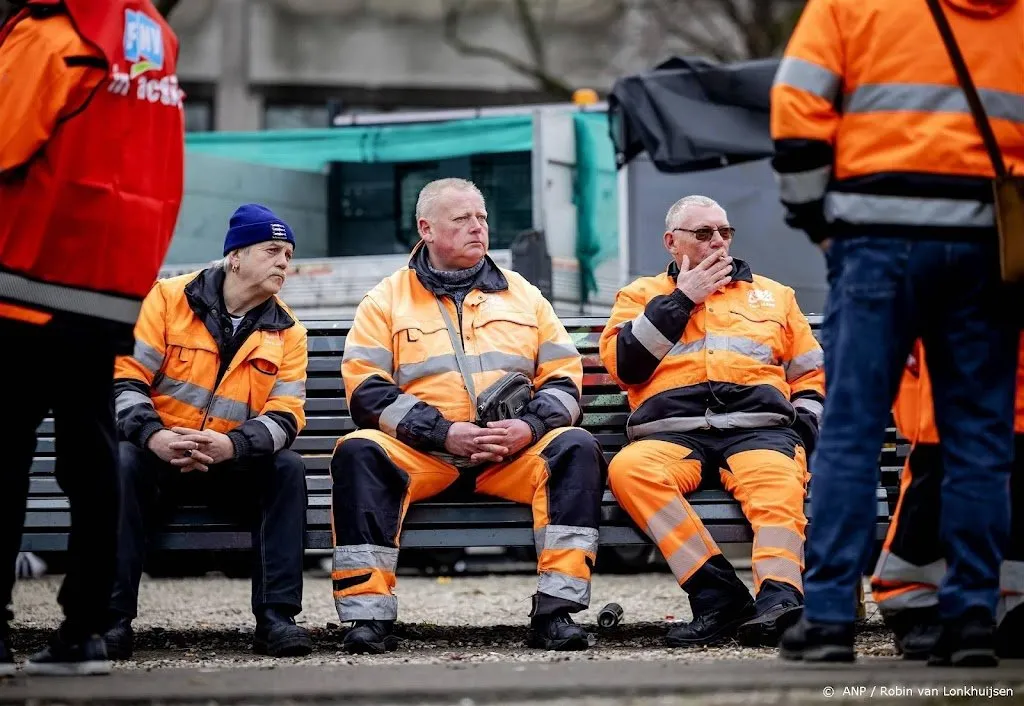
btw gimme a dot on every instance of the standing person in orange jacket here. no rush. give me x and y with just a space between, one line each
91 152
879 161
722 370
910 568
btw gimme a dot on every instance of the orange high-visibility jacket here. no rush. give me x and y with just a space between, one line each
873 135
189 370
914 409
91 160
745 358
400 369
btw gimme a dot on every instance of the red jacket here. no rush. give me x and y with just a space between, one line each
91 183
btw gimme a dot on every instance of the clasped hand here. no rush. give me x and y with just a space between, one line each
491 444
191 449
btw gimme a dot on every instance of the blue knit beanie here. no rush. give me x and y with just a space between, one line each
253 223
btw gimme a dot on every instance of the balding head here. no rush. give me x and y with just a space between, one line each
452 222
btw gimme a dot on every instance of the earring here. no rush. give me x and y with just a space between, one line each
234 269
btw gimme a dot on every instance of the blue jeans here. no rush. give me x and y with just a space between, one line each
884 294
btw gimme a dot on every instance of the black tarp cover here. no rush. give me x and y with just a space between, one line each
691 113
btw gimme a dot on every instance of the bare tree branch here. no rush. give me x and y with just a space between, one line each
667 12
165 7
554 85
532 33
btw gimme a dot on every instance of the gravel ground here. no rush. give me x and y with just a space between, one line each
206 622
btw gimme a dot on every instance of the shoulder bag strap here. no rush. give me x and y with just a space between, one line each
460 355
967 84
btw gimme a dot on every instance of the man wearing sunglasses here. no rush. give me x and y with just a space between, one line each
723 373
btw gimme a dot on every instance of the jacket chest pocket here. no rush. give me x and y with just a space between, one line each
421 348
760 332
261 370
507 331
189 359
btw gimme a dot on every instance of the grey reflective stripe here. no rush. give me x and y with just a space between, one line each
662 522
685 348
761 352
230 410
556 351
566 537
777 568
813 406
365 556
1011 576
892 568
129 399
71 299
508 362
803 364
915 598
377 357
909 211
808 76
780 538
932 98
279 435
689 557
446 363
572 407
650 337
729 420
395 412
184 392
803 187
366 607
148 356
569 588
198 397
295 388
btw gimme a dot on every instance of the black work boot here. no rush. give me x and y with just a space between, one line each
914 631
557 631
277 635
817 642
968 641
6 657
778 606
371 637
720 603
120 639
70 657
1010 635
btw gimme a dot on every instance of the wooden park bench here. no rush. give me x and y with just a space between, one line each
443 523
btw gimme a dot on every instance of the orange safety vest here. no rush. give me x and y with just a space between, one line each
86 227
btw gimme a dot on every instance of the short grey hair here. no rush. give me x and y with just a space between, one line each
679 208
433 191
225 262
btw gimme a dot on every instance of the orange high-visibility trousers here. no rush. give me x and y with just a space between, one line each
767 475
377 477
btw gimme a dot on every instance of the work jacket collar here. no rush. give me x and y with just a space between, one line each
488 279
740 271
205 296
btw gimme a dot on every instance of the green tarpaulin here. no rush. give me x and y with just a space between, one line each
311 150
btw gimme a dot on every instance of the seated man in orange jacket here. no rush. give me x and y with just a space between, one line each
722 371
207 407
911 566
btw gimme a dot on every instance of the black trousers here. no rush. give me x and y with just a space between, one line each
48 369
267 494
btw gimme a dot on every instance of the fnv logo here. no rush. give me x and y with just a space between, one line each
277 230
761 298
143 43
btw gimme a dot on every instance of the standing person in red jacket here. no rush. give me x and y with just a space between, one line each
91 153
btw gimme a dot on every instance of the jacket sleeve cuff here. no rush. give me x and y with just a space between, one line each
439 434
242 446
146 433
684 301
537 426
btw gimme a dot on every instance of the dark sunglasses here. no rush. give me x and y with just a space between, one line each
706 233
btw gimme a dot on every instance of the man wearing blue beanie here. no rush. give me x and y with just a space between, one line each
233 424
